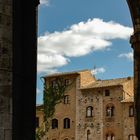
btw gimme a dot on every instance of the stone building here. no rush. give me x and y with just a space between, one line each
65 113
5 69
106 110
92 109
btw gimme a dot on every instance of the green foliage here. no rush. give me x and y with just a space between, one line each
39 133
53 94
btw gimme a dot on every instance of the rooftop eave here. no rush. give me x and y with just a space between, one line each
84 88
64 74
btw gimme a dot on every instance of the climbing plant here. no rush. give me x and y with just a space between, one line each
53 94
40 132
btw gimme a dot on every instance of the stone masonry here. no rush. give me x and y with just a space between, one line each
5 69
97 109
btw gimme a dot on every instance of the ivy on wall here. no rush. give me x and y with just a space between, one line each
52 95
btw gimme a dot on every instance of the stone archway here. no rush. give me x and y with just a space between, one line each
134 6
24 27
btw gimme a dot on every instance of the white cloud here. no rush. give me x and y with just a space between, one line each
129 56
55 49
38 91
44 2
47 61
97 71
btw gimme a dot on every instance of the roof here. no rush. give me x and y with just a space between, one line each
64 73
106 83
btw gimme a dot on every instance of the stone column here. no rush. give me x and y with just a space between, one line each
134 6
24 69
5 69
135 41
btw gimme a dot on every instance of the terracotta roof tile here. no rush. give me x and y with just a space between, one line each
106 83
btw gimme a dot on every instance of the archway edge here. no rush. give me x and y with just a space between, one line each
134 6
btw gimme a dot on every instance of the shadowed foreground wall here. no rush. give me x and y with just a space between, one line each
18 44
24 68
5 69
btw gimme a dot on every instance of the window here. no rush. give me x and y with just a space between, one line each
66 123
67 82
131 111
110 111
66 99
54 84
110 137
88 134
54 123
37 122
131 137
89 111
107 92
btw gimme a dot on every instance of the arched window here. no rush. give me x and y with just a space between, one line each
66 123
88 134
54 123
110 136
107 92
89 111
110 110
131 137
107 137
131 111
66 99
66 139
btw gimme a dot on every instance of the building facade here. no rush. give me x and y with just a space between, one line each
106 110
92 109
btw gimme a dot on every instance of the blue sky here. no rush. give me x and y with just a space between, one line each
84 34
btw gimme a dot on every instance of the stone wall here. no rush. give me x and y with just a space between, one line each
99 124
64 111
120 124
92 124
5 69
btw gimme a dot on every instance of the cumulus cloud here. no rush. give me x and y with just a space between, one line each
129 56
47 61
44 2
56 49
97 71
